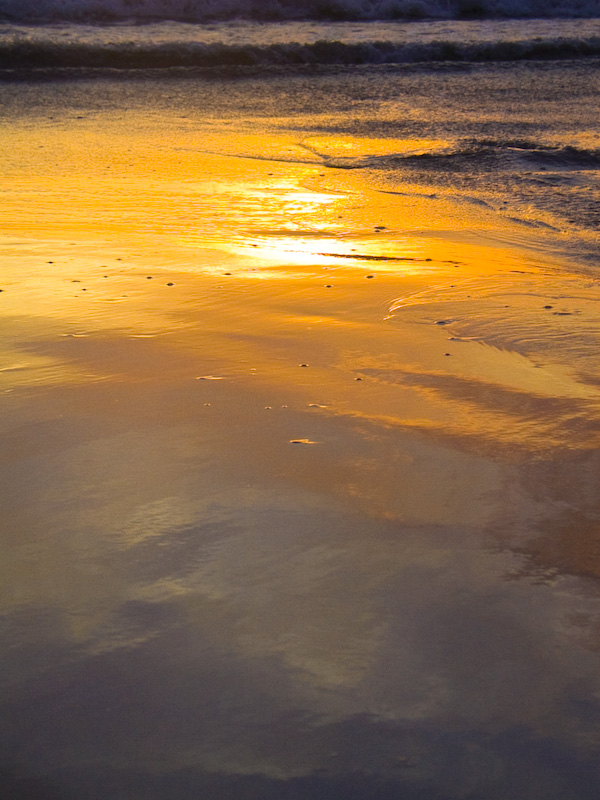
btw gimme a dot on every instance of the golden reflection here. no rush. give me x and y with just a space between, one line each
404 255
293 250
29 370
365 147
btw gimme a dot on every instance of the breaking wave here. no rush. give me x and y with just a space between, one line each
20 52
277 10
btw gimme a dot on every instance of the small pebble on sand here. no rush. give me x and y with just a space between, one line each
170 284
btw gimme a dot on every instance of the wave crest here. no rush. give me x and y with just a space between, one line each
20 53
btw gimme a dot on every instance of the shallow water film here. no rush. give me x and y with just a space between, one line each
300 402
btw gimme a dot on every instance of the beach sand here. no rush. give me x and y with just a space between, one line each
300 469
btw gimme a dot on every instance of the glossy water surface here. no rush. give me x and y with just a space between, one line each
299 438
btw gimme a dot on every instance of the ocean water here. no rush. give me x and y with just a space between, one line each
407 606
139 44
207 10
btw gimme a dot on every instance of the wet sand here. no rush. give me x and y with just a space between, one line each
299 472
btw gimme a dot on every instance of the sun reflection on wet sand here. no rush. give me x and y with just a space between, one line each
316 251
